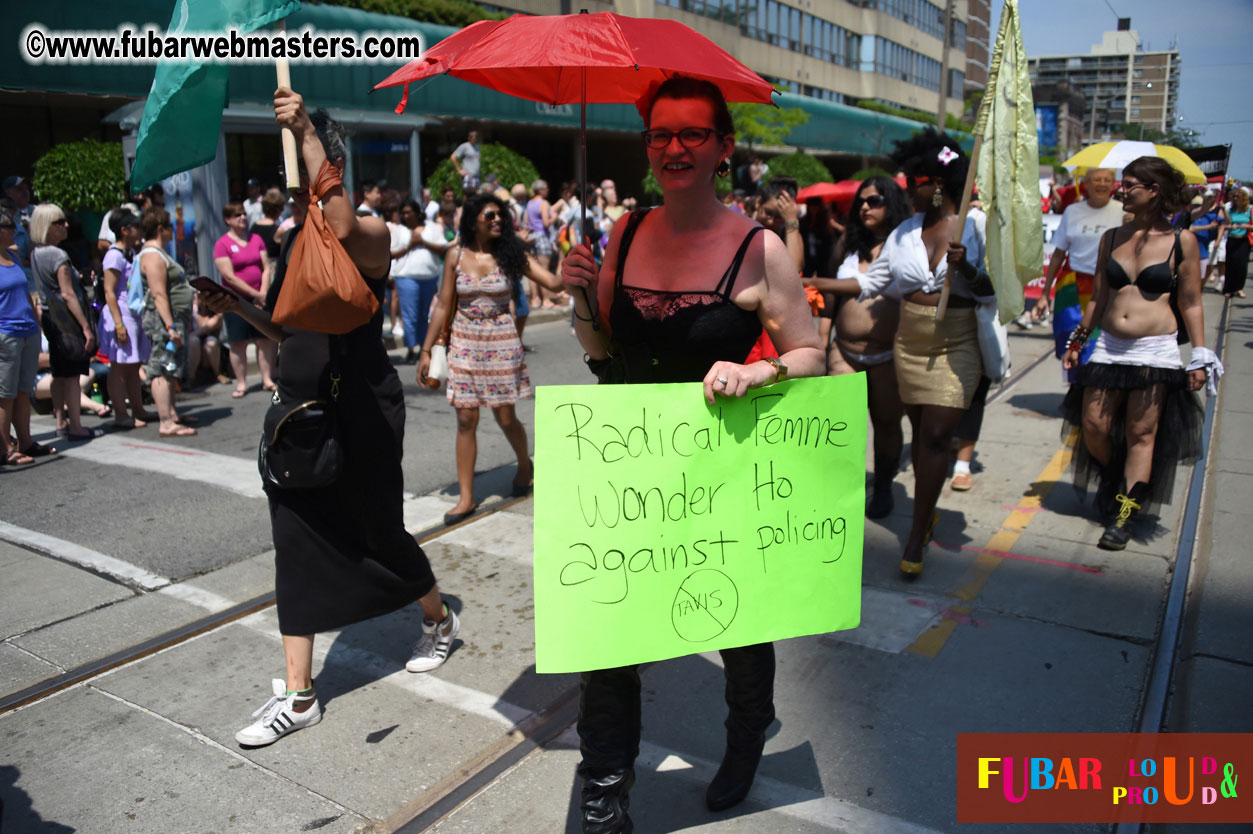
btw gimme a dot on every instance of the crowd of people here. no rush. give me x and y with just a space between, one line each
797 292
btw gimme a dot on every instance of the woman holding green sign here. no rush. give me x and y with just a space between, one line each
688 305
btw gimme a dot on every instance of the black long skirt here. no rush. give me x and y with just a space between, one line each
342 554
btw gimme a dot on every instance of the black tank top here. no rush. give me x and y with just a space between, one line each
669 336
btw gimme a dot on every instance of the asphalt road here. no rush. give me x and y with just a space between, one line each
181 528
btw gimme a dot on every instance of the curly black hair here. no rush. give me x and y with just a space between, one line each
919 156
857 238
509 251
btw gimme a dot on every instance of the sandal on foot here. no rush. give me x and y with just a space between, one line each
87 434
178 431
16 458
239 392
38 450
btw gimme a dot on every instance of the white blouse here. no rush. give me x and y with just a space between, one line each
903 264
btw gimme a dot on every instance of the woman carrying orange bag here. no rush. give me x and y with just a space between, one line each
342 554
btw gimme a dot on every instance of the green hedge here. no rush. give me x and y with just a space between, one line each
806 169
81 175
445 12
509 166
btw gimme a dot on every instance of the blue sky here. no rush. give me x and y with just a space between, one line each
1214 42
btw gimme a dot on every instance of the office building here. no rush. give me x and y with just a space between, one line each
1122 82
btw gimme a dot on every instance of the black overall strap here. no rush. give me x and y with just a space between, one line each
733 271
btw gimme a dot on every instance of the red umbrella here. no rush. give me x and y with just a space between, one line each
828 192
603 58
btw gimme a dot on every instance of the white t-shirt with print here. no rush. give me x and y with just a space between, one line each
1079 234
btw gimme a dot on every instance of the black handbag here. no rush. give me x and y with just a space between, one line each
301 446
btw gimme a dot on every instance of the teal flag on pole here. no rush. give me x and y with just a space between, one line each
183 114
1009 169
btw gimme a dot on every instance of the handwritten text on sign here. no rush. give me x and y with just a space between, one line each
665 527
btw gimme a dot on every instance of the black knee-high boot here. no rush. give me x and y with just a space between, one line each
750 702
1118 533
881 503
609 739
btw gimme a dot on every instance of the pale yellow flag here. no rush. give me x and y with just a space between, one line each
1008 174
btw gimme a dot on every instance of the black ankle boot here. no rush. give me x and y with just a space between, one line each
881 503
735 776
1118 533
605 799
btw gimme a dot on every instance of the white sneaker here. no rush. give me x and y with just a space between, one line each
398 330
278 718
432 650
1024 321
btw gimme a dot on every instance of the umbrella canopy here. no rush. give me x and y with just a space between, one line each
539 57
1117 155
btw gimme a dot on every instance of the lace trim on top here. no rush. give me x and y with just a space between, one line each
656 305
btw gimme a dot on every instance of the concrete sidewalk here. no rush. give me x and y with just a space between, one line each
1018 624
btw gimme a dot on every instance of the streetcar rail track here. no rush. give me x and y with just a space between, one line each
210 622
1170 637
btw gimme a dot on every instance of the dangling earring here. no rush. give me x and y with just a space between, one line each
724 168
937 199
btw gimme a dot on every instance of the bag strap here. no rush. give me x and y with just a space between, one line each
1178 253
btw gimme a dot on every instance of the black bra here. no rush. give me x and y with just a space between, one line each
1155 278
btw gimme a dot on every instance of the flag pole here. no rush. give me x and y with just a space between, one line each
583 178
282 69
985 106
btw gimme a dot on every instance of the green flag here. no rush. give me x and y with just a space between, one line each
183 114
1009 169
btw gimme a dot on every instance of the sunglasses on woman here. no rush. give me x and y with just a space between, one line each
61 222
689 137
912 181
489 215
874 201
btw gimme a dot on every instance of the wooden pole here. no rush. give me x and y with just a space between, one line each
283 70
985 107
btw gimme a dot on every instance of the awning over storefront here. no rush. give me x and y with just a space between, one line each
832 128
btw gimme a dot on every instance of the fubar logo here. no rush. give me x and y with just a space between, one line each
1103 777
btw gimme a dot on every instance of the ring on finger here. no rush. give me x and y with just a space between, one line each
721 379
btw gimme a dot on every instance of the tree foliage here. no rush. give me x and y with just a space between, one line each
445 12
509 166
802 167
951 121
765 124
81 175
1181 137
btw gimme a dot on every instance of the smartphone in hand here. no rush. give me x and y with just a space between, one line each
208 285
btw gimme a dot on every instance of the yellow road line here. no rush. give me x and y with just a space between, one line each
933 639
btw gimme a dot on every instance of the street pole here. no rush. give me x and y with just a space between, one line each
942 107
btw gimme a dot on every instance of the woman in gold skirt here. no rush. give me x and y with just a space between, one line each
938 365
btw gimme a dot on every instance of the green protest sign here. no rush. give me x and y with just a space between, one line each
666 527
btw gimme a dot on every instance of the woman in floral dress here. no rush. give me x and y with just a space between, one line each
485 359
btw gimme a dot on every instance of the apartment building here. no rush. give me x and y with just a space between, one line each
979 40
844 51
1121 82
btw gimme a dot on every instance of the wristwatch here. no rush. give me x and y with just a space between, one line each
780 369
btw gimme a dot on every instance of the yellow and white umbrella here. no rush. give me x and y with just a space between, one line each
1117 155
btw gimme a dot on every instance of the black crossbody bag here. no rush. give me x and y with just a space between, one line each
300 445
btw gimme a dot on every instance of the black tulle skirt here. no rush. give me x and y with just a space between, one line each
1178 438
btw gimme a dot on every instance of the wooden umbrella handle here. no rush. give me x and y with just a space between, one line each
282 69
961 222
